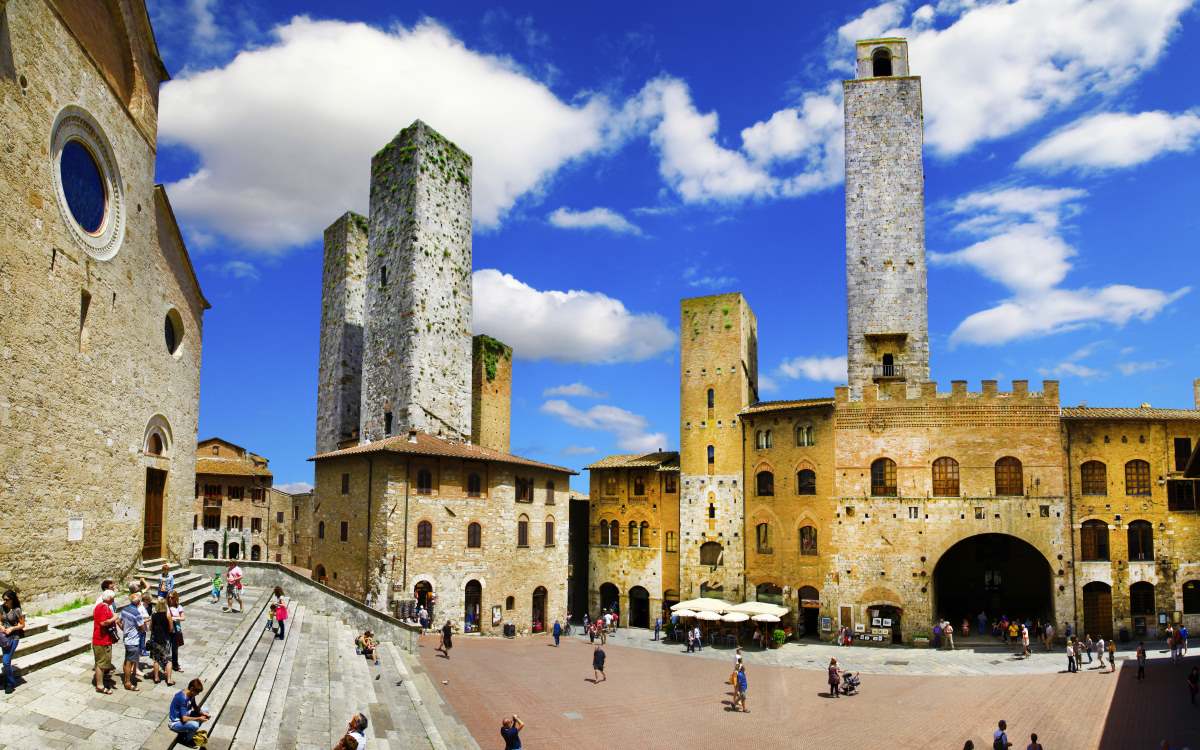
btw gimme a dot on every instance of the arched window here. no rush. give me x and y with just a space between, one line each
510 603
604 533
883 477
762 536
710 554
321 530
881 62
712 510
614 534
712 398
762 439
804 435
1009 479
256 552
945 477
212 549
1141 599
155 447
639 486
632 539
889 362
550 542
1191 598
1093 540
644 534
424 482
424 534
765 483
523 531
808 540
1137 478
474 535
806 482
1094 476
1141 540
474 485
712 455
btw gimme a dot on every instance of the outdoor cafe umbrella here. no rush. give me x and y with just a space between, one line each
737 617
708 616
703 605
764 618
760 608
684 613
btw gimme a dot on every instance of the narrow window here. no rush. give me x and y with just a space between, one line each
632 540
1137 478
945 477
279 517
424 482
1141 541
610 485
806 482
604 533
762 536
1094 476
383 276
549 493
712 398
524 490
1009 478
1183 451
889 362
883 477
914 512
881 63
672 545
523 531
712 510
765 482
644 534
712 455
510 603
474 485
1093 538
639 486
808 540
345 484
387 423
345 532
256 525
550 532
424 534
669 484
85 304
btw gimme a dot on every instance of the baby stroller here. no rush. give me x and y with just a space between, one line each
850 683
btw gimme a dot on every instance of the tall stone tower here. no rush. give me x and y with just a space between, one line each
417 348
343 294
491 393
719 363
885 221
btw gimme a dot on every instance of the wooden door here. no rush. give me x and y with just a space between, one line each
1097 610
156 483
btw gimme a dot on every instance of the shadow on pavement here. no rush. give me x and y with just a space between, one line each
1163 695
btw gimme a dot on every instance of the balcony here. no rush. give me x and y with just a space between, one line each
887 372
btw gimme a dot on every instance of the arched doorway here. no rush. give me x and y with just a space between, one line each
319 574
1141 607
152 536
539 609
256 552
235 551
472 597
212 549
885 616
993 573
810 611
610 597
1097 609
639 607
423 593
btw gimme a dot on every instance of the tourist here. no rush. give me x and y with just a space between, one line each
281 615
423 618
1089 646
1112 655
691 641
106 585
12 627
834 677
1067 630
1193 683
162 633
166 582
1000 737
1182 636
1049 635
510 731
1025 641
1141 661
603 633
357 729
948 632
699 639
104 624
233 587
591 630
556 632
370 648
982 621
446 642
133 634
966 628
657 627
217 583
1033 743
587 621
937 635
1013 632
185 717
598 666
1071 657
143 601
1100 651
277 600
739 698
177 617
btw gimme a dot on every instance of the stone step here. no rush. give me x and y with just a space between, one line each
254 724
229 718
452 731
61 651
31 644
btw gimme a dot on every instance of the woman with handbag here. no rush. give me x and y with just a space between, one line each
175 610
12 627
162 635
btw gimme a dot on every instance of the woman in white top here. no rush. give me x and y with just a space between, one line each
175 610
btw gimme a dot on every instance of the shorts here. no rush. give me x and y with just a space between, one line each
599 668
132 653
102 656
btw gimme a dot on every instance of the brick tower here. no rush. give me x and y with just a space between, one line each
343 291
719 364
417 342
885 221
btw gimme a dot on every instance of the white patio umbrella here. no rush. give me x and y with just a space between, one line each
708 616
737 617
760 608
684 613
765 618
703 604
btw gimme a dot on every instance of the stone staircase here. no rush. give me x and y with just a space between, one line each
54 638
443 726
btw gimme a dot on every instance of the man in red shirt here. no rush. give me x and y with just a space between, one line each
104 622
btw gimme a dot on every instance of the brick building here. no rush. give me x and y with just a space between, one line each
235 513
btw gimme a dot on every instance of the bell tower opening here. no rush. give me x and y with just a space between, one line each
881 62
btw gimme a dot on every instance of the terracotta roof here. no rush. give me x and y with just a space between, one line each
765 406
1143 413
665 460
229 467
428 445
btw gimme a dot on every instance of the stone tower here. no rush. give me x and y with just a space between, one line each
885 221
491 393
343 293
719 363
417 343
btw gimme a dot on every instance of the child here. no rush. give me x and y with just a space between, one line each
216 588
281 615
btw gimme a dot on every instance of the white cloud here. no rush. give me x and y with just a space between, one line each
284 133
1133 368
239 269
565 326
593 218
578 390
695 278
830 369
628 428
1115 140
872 23
294 488
767 384
578 450
1073 366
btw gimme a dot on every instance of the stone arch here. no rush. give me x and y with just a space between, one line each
763 465
881 595
803 463
158 428
881 62
993 572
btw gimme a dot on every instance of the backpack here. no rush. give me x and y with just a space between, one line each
200 738
1000 742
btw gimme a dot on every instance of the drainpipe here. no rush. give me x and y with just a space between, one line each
1071 517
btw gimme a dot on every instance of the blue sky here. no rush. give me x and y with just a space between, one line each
628 155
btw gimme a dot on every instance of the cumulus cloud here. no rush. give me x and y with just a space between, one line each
294 488
1115 140
629 429
284 133
593 218
565 326
828 369
577 390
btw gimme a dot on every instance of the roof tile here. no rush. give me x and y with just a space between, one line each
429 445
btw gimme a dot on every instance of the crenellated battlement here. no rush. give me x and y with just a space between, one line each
928 393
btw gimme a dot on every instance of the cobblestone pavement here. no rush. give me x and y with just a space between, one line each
655 697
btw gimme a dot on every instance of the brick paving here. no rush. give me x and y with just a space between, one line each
656 698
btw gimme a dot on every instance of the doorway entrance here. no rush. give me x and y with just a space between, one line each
473 596
994 573
639 607
610 597
810 611
235 551
1097 609
886 616
539 609
156 484
423 593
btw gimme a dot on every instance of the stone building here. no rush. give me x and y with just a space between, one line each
234 508
893 503
417 498
100 310
302 530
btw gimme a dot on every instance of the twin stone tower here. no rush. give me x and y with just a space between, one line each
396 352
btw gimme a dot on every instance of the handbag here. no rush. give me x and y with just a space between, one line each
5 642
178 638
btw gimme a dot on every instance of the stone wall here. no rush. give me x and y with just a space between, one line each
491 393
85 372
343 295
417 348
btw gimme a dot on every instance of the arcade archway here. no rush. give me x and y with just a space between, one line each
472 596
993 573
639 607
610 597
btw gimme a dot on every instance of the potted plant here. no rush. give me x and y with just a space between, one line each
921 640
778 638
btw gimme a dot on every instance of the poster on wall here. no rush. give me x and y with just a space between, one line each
496 616
859 627
887 622
826 624
875 622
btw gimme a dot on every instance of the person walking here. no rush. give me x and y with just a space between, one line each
1000 737
217 583
591 631
162 633
281 615
1141 661
185 717
598 675
12 627
1183 639
556 631
948 633
699 640
1049 635
1193 683
1033 743
133 633
657 627
1071 667
1112 655
104 631
233 587
447 640
175 610
1025 641
691 641
1089 646
834 677
1100 651
510 731
739 698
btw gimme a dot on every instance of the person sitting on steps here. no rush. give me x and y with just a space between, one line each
185 716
